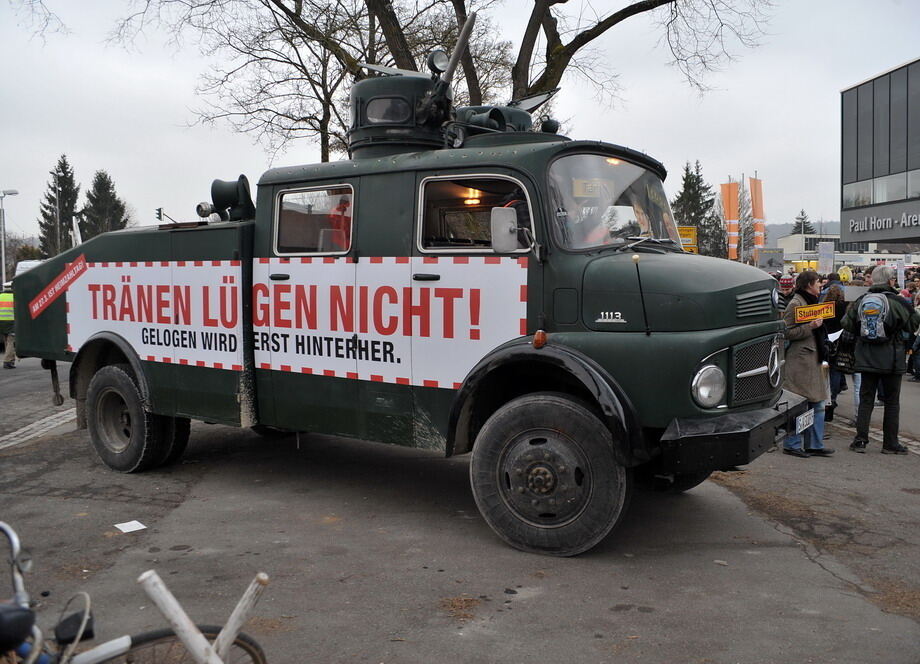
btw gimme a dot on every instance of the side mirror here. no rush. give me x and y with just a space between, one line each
504 230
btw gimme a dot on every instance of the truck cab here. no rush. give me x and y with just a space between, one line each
463 283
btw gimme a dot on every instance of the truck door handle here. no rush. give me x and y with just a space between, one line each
426 277
279 277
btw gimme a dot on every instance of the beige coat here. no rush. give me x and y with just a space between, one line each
804 375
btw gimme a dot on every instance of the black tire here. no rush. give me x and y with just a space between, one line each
125 436
163 646
687 481
545 478
268 431
179 430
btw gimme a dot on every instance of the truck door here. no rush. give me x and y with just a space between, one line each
304 310
383 234
467 300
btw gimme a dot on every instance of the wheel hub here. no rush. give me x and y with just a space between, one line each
114 421
541 479
545 478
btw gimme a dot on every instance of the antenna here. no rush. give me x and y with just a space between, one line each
436 107
462 40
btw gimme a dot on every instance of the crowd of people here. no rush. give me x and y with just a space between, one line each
873 338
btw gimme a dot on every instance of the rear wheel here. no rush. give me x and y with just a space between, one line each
124 435
545 478
179 429
162 646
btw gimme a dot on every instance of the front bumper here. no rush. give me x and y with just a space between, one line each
696 444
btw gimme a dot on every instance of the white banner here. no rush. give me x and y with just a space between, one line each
373 321
421 321
825 257
182 312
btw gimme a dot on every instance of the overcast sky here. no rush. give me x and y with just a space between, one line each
774 110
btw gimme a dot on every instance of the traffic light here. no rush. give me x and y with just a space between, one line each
159 214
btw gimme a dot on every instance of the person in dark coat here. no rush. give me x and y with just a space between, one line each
804 371
832 325
881 363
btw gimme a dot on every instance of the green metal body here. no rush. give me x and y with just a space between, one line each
689 308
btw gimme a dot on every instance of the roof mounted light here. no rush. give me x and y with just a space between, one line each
438 62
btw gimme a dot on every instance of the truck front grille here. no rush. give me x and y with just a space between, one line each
751 371
755 303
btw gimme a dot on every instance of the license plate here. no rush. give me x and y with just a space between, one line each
804 420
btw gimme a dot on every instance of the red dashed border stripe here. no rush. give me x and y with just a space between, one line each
184 263
522 261
181 361
351 375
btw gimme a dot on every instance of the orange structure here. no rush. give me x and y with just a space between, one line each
730 209
757 213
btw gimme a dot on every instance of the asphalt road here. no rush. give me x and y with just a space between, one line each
377 554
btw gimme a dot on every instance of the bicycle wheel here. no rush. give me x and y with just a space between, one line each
162 646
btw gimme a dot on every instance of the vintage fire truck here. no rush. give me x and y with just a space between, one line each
464 283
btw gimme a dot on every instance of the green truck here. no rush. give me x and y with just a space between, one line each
463 283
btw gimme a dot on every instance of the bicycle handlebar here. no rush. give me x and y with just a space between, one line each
20 596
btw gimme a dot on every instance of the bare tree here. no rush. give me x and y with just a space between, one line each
288 63
38 17
698 34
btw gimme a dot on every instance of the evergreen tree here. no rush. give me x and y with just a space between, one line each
104 210
800 220
57 210
713 237
695 206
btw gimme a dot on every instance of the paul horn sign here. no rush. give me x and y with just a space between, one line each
896 222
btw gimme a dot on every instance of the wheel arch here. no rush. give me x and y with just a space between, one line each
518 368
101 350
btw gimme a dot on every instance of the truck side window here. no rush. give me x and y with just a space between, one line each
456 212
315 221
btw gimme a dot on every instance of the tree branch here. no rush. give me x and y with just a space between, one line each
469 67
393 33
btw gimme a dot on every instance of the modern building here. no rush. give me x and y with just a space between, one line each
880 159
855 254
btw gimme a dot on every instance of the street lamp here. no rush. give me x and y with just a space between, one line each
3 194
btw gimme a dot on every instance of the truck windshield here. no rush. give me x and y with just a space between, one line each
605 201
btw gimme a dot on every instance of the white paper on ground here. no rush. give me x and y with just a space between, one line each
130 526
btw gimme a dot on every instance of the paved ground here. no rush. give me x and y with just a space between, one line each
25 395
377 554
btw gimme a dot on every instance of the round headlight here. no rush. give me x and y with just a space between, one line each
438 62
708 386
776 298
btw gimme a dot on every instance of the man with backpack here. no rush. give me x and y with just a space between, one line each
880 322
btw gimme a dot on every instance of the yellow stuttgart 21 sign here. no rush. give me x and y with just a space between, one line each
814 312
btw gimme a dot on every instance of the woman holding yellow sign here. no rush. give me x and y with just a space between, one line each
804 373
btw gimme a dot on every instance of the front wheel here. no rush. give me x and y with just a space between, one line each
545 478
163 646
